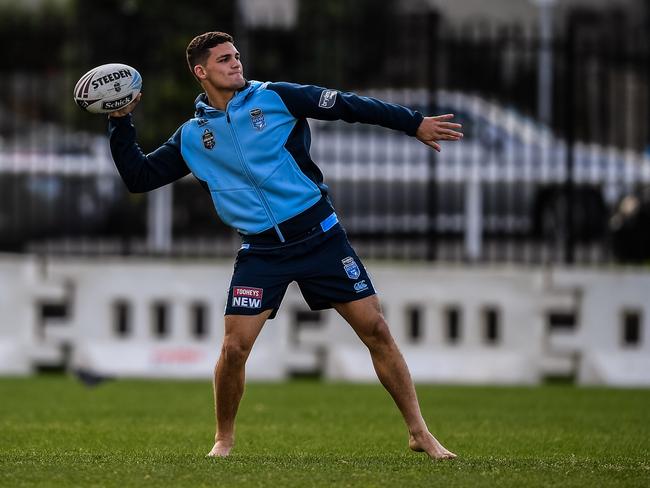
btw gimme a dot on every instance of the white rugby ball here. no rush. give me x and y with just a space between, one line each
107 88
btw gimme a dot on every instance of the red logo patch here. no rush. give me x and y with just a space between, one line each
247 291
245 296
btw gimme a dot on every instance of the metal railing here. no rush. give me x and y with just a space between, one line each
514 190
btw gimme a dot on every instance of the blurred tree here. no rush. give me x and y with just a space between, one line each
334 43
151 36
32 39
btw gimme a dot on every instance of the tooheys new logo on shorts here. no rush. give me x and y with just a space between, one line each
246 296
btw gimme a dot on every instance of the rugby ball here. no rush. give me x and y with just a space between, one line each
107 88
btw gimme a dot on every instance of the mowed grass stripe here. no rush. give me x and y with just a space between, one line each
56 432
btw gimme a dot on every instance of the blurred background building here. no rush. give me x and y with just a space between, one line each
554 170
553 96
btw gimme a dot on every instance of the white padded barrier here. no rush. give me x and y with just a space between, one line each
23 286
605 298
519 300
453 324
101 287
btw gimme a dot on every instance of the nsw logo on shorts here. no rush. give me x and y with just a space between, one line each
245 296
351 268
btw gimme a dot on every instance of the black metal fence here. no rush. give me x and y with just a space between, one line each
520 187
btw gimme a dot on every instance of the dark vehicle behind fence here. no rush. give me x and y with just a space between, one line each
507 176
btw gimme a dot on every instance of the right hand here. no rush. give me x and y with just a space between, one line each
128 109
434 129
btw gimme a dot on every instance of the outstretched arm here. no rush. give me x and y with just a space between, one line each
434 129
143 172
306 101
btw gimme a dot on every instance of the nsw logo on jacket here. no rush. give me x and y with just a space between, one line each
257 118
208 139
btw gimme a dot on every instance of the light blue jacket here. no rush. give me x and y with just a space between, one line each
253 157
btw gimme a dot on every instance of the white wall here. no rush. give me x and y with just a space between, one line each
100 285
524 352
22 289
604 300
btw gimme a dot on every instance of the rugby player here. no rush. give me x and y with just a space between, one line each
248 145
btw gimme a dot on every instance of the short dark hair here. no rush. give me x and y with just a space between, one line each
198 49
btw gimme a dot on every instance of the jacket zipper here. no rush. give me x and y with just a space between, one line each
242 161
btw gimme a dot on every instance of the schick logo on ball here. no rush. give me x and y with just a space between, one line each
257 118
117 104
351 268
246 296
208 139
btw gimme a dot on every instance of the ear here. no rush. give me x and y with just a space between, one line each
199 72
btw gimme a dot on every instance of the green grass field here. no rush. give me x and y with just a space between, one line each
56 432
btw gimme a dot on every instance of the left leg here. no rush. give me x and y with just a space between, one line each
366 319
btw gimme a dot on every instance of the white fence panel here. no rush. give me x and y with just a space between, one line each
609 303
500 326
160 318
23 288
139 318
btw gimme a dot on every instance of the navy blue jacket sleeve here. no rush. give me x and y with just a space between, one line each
144 172
306 101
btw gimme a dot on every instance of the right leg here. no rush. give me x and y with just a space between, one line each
239 337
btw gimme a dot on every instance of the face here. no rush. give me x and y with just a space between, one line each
223 69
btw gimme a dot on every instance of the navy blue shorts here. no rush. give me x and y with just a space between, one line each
323 264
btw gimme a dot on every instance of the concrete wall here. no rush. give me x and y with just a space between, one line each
139 318
23 291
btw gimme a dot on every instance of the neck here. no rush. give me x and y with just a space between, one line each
218 98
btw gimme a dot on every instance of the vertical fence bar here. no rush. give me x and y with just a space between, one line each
570 108
432 38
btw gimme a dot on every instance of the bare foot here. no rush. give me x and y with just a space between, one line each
221 449
425 442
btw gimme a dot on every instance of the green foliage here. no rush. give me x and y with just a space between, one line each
334 43
151 36
32 39
53 431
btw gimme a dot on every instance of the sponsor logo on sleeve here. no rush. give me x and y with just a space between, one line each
351 268
246 296
257 118
360 286
208 139
202 122
327 98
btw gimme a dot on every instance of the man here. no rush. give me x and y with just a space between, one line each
248 145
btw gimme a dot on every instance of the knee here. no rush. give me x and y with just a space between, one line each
234 352
377 333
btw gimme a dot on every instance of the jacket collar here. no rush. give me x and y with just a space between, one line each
204 109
